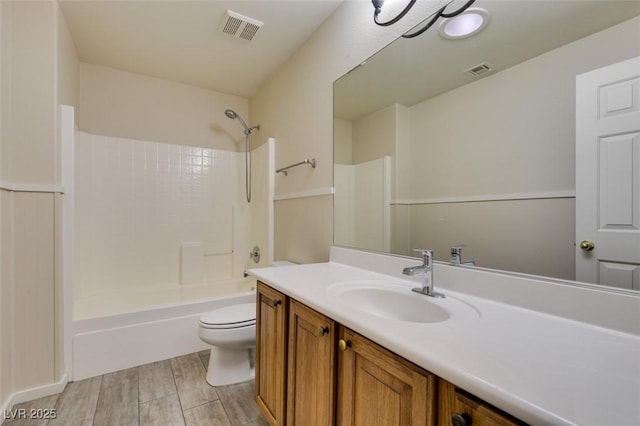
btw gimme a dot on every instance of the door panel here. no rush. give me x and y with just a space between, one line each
608 175
621 275
619 186
271 341
311 383
379 388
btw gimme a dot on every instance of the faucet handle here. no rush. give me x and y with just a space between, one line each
427 255
456 256
457 249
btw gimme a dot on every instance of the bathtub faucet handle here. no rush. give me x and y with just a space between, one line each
255 254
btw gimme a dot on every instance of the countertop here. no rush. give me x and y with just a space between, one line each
540 368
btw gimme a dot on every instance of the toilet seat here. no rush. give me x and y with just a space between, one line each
229 317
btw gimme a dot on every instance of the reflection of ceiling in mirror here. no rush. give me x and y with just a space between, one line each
518 30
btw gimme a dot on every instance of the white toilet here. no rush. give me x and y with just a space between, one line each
231 332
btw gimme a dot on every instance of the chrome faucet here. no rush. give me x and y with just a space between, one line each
427 274
456 257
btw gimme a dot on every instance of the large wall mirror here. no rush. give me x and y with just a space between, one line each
443 142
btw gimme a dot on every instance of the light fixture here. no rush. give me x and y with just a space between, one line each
377 5
464 25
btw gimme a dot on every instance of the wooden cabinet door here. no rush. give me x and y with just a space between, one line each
458 408
311 368
271 355
377 387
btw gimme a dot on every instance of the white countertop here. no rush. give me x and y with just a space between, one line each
540 368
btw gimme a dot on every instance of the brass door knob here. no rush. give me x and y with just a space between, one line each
587 245
344 344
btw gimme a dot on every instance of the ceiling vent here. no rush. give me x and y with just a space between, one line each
239 26
480 69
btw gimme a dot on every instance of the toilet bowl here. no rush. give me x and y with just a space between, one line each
231 332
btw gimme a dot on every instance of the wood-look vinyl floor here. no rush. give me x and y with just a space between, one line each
170 392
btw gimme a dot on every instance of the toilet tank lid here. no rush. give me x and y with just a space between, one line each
234 314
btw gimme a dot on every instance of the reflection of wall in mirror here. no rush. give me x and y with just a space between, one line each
362 202
363 179
506 186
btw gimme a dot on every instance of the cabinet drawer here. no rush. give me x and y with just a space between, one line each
459 408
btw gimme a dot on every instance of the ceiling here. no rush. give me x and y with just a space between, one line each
179 40
410 71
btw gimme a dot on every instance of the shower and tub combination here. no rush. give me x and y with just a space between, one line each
162 233
231 330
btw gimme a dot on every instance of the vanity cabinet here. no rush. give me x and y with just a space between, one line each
271 353
312 371
377 387
459 408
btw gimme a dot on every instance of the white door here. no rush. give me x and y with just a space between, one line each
608 175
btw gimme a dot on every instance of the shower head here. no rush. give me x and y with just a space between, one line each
247 152
233 115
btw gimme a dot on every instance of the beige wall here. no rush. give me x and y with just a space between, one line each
6 298
68 65
31 94
299 224
296 107
5 86
510 134
5 243
374 135
128 105
38 69
495 237
342 142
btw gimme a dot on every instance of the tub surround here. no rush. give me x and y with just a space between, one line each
549 356
156 216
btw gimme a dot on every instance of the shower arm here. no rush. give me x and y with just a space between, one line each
250 130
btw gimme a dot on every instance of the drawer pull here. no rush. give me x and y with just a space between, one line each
461 419
344 344
277 302
324 330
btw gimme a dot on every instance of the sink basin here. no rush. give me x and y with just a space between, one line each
390 301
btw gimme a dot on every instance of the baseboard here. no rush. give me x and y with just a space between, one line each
31 394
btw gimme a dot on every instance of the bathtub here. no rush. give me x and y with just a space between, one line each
120 330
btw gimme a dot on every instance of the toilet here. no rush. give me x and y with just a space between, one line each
231 332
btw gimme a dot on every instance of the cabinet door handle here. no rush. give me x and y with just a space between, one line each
461 419
323 330
277 302
344 344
